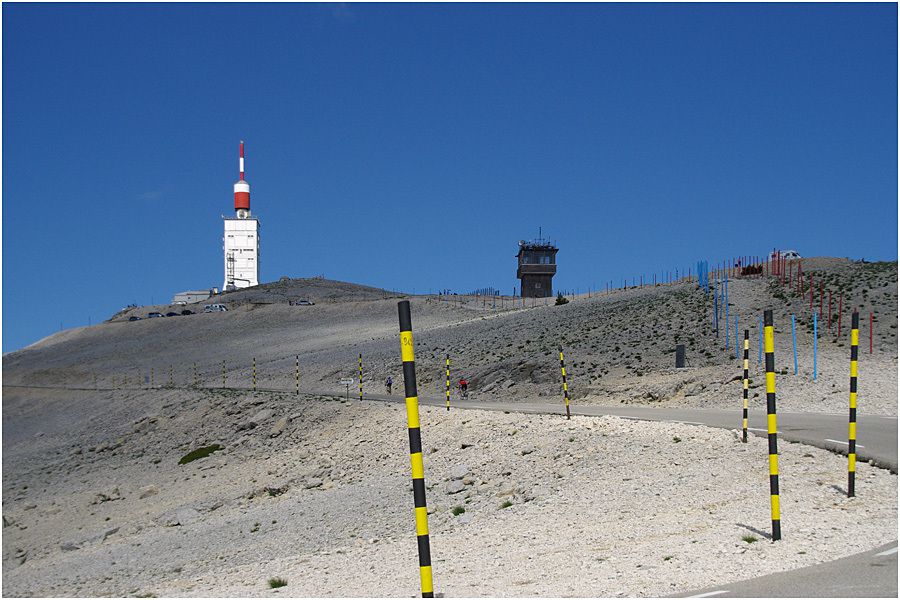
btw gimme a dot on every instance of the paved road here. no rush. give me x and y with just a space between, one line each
876 435
865 575
869 574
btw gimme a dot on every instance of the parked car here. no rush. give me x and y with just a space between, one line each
134 318
304 303
209 308
187 312
179 303
786 254
154 315
171 314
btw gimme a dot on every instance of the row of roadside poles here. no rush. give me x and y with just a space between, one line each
415 439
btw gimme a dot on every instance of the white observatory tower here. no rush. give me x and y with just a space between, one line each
241 241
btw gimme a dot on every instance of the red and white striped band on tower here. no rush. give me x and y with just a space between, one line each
242 188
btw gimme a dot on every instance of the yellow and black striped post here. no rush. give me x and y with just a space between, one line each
254 373
196 381
151 377
772 425
223 374
297 375
746 378
448 382
360 377
171 377
562 366
415 447
851 449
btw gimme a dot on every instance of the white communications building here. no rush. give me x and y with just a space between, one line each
241 239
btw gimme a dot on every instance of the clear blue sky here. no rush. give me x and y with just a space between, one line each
412 146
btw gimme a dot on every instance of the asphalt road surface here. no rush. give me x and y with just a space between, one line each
868 574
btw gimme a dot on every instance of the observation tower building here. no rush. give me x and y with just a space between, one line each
241 239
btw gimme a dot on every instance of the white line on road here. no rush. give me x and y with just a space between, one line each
688 422
758 429
708 594
843 442
888 552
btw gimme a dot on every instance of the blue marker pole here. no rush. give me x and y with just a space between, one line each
794 336
716 312
726 312
815 343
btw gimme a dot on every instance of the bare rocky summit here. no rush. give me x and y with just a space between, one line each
114 484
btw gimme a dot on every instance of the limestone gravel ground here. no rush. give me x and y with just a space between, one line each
619 346
317 491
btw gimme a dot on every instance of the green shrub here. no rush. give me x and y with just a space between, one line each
560 299
199 453
749 538
506 504
457 510
277 582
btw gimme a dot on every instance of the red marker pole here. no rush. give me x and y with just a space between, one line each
829 310
871 327
821 298
840 313
811 288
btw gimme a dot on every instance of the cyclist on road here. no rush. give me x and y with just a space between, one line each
463 388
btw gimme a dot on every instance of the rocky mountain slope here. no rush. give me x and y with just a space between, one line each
619 347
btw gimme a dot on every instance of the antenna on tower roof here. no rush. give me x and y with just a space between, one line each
242 160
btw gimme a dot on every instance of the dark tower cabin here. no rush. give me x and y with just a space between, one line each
537 266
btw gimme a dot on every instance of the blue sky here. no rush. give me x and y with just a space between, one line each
412 146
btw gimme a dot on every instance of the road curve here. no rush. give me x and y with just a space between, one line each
868 574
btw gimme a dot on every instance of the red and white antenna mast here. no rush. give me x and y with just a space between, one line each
242 191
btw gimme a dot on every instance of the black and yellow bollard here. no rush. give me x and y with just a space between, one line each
746 378
196 380
152 384
223 374
772 425
360 377
448 382
851 448
297 375
562 366
171 377
254 373
415 447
